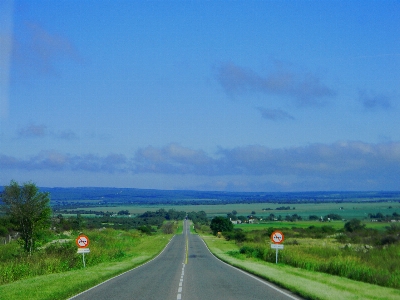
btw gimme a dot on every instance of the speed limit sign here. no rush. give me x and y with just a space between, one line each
277 237
82 241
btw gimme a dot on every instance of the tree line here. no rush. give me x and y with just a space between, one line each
28 215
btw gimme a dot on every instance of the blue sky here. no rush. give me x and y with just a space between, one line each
205 95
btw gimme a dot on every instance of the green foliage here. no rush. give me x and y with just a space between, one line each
29 211
146 229
237 234
5 225
354 225
354 264
293 218
377 262
283 208
199 217
221 224
333 217
105 246
168 227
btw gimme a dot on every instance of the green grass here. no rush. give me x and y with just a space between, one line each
309 284
304 224
99 268
375 266
179 228
191 227
351 210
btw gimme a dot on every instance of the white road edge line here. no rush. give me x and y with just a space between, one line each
93 287
252 276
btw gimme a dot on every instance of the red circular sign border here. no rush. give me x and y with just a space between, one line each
277 231
77 239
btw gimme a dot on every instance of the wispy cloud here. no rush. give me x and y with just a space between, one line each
33 130
66 135
57 161
172 159
305 88
275 114
372 101
39 49
40 131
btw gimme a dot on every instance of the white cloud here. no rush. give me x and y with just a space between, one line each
171 159
346 165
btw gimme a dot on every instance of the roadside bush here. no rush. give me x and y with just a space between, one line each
389 239
237 234
168 227
145 229
354 225
105 245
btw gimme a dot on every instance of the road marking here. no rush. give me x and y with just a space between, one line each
179 295
252 276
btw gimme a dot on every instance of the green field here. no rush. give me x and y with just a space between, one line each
348 211
305 224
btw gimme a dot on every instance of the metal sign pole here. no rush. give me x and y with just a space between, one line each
83 258
276 255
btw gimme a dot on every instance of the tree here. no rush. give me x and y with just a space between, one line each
354 225
220 224
29 211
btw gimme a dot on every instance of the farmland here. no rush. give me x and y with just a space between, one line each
348 205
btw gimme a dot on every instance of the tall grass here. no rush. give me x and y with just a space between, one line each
105 245
377 266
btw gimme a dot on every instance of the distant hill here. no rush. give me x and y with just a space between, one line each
110 196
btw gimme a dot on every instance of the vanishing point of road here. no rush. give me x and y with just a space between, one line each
185 269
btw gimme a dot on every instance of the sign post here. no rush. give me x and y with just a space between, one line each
277 238
82 241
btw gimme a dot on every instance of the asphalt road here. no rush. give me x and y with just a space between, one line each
185 270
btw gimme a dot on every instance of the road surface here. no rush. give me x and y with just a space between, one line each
185 270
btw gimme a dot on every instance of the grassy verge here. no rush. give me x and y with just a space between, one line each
179 227
191 228
67 284
309 284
